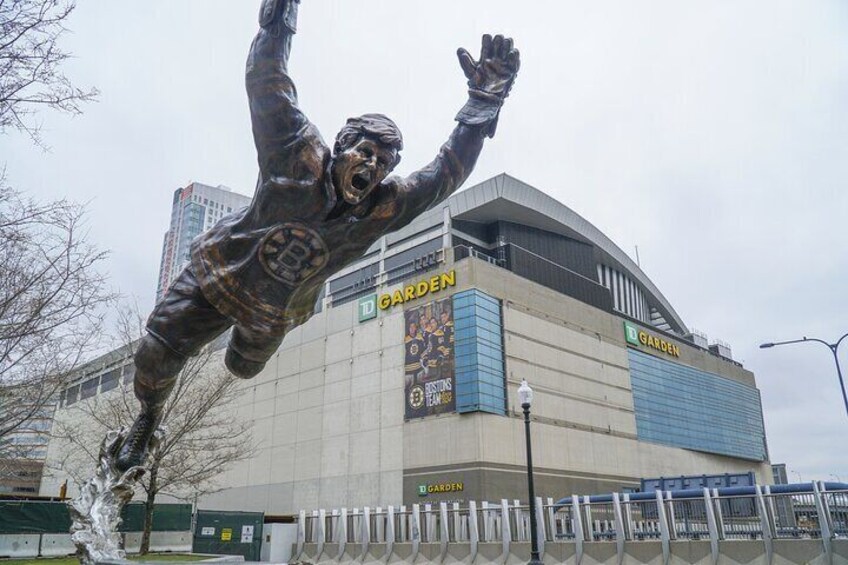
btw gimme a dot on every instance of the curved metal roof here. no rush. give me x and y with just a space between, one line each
506 198
537 209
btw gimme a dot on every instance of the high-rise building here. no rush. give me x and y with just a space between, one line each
23 453
195 209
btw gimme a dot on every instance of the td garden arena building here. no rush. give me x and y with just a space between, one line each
402 388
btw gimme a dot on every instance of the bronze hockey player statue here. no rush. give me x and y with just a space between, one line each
260 270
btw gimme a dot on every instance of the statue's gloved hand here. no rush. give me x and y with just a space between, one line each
489 81
276 12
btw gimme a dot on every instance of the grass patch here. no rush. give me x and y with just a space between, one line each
42 561
173 557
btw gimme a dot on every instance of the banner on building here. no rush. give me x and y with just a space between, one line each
429 368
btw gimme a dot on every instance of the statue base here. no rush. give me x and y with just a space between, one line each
96 512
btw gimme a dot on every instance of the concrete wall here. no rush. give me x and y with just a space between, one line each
57 545
327 419
159 542
19 545
327 414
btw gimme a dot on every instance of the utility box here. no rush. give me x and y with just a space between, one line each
277 542
229 533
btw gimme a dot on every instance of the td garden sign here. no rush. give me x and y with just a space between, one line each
642 338
368 306
439 488
433 285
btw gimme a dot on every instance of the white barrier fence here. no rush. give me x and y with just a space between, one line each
811 512
58 545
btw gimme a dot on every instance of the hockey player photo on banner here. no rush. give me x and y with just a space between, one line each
429 370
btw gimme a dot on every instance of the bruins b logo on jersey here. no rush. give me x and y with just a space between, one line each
291 253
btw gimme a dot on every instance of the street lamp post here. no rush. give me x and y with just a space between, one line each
525 394
834 348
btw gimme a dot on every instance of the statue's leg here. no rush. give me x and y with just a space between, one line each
180 325
156 370
249 350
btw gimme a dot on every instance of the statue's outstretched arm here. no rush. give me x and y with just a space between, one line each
489 80
274 111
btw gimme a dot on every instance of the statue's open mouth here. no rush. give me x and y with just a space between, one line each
360 182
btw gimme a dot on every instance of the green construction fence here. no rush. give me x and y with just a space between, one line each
33 517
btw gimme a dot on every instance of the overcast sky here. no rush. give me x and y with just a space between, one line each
711 134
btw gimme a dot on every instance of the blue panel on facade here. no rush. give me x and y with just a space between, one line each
685 407
480 379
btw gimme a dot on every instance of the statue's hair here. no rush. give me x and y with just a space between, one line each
375 126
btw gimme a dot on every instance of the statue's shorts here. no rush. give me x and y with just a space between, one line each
184 320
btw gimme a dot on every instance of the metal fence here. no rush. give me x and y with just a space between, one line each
811 511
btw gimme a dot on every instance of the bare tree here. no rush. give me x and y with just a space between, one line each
201 441
52 299
50 290
30 64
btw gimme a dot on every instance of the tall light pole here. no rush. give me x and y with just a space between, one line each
834 348
525 394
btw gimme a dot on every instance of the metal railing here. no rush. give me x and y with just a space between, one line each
464 251
811 511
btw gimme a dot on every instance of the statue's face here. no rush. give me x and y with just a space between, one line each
357 170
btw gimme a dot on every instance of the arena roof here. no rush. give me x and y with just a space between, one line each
508 199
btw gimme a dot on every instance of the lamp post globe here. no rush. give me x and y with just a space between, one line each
525 394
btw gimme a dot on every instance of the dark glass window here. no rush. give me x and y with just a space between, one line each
24 489
89 388
71 395
354 285
420 258
110 380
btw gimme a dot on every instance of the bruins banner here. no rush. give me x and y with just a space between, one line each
429 365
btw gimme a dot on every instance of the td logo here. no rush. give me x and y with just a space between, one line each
367 308
631 333
422 490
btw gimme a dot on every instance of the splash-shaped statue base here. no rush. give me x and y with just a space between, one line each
96 512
